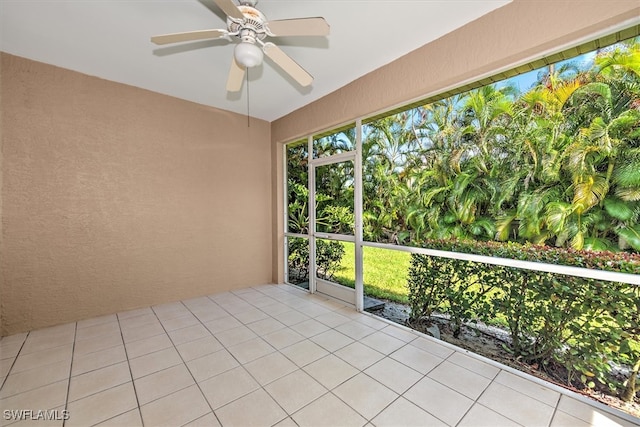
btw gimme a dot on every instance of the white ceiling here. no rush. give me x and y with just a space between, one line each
110 39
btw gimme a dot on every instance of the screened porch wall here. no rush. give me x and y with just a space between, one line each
520 32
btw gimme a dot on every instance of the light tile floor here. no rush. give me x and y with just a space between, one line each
268 355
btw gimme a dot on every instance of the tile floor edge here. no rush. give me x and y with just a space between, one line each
581 398
596 405
584 399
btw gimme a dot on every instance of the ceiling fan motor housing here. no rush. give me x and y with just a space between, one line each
251 27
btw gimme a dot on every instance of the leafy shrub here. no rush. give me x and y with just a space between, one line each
427 281
460 289
583 324
298 260
623 262
328 257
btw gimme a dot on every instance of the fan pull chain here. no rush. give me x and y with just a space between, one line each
248 116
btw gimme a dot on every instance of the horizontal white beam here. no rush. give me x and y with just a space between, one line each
609 276
302 236
332 236
336 158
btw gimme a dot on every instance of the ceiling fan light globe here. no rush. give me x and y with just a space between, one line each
248 54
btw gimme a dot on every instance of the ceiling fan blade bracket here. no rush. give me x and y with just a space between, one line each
229 36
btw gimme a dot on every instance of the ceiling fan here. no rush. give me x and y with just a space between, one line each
251 27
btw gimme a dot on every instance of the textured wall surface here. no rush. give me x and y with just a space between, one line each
516 33
116 198
1 239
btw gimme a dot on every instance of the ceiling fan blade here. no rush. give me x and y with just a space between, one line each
299 27
236 76
230 8
188 36
287 64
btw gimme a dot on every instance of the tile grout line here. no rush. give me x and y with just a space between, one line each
262 387
595 404
555 406
12 365
499 413
491 363
93 353
370 420
555 411
299 368
308 338
399 395
288 416
73 348
329 391
330 353
126 353
15 359
278 351
185 363
493 380
423 376
476 400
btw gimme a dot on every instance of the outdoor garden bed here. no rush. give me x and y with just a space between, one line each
489 341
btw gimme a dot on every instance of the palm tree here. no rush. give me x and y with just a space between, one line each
604 159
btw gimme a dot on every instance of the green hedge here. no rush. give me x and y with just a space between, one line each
582 324
329 253
623 262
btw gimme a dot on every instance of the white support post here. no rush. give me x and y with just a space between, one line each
312 216
359 267
285 213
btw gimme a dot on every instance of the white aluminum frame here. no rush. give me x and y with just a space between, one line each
357 207
348 156
285 213
609 276
358 240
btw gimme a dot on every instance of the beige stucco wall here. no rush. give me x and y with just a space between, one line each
516 33
1 233
116 197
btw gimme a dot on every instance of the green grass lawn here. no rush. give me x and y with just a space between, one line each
385 272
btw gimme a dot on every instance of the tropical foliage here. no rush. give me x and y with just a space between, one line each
556 165
584 325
